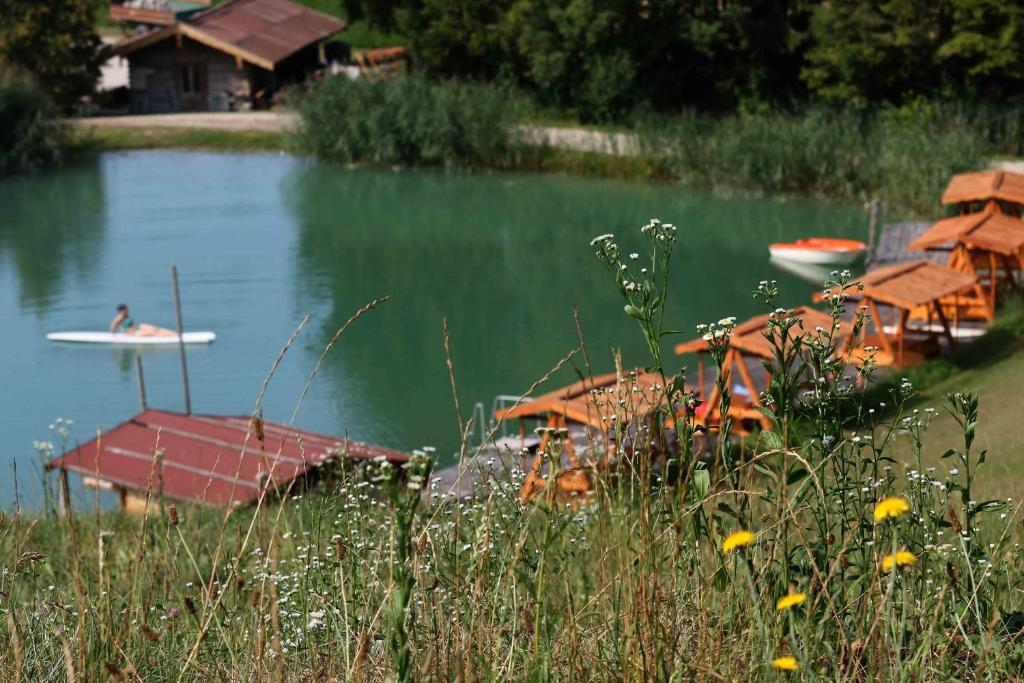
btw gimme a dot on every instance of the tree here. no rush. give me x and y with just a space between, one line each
863 50
574 53
984 53
55 42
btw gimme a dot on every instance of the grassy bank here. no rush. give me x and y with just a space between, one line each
92 139
826 550
902 155
993 367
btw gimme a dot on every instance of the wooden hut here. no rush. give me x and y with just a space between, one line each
598 404
236 54
988 245
207 459
905 291
998 190
747 344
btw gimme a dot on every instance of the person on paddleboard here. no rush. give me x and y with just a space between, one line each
124 324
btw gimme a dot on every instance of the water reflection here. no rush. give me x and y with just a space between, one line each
52 230
262 240
504 258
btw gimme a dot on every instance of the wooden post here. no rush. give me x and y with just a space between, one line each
873 210
700 376
141 380
65 493
181 340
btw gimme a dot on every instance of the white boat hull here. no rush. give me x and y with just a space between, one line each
961 332
817 256
129 339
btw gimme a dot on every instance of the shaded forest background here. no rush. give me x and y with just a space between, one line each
603 59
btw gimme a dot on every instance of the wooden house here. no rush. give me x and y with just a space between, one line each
236 54
988 245
152 12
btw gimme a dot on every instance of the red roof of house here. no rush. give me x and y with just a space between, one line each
262 32
207 459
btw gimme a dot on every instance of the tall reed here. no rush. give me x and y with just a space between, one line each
410 120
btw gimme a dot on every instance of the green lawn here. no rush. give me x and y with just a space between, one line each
993 368
1000 428
114 139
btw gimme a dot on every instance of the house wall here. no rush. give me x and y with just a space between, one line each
155 78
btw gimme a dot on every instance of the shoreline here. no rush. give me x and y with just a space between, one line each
582 151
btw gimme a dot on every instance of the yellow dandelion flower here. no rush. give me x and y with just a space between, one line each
900 559
890 507
737 539
791 600
785 664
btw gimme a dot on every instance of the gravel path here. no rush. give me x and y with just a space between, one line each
563 137
263 121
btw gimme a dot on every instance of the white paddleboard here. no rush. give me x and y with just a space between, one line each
109 338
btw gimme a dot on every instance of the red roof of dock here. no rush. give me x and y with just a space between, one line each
208 459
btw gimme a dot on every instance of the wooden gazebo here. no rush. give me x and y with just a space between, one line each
989 246
998 190
597 403
746 343
915 289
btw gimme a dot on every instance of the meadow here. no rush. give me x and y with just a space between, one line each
835 545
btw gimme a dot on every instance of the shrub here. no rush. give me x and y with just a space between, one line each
410 120
903 156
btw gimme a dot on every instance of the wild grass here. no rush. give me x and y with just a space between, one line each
811 552
904 156
410 121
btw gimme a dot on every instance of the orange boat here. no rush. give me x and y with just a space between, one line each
823 250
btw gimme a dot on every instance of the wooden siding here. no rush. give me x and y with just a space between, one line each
156 80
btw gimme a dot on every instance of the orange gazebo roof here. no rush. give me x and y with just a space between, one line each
595 400
912 284
985 185
748 336
988 230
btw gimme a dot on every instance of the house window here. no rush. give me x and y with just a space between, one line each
190 84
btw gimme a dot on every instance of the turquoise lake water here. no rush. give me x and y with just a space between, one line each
261 241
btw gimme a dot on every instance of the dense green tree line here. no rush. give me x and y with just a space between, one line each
31 136
605 57
53 42
49 59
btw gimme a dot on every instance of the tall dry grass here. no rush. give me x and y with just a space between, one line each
808 552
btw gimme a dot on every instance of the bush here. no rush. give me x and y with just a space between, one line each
30 134
410 120
903 156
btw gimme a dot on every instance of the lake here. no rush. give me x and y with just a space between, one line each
261 241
